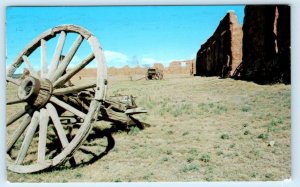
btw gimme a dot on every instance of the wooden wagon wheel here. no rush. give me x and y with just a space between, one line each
43 93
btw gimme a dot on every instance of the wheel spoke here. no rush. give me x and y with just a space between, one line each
21 128
44 68
68 107
14 81
57 53
14 102
62 80
44 119
28 137
73 89
67 59
82 132
29 66
57 124
18 115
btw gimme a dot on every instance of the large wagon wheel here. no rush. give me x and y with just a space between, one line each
43 93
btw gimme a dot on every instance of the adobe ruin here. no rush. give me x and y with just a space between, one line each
266 44
259 51
222 52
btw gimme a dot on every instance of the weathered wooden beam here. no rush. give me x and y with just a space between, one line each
44 64
57 53
114 117
62 67
68 107
62 80
28 137
73 89
138 110
44 120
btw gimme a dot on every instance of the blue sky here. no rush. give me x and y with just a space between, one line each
129 35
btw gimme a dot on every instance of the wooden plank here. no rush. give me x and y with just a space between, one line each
29 66
28 137
138 110
68 107
44 120
21 128
44 64
57 124
57 53
73 89
14 81
67 59
62 80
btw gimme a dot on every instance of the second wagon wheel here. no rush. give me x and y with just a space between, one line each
42 98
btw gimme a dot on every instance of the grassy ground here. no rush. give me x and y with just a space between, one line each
202 129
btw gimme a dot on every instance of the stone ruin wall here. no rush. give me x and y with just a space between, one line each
266 44
175 67
181 67
259 51
236 43
224 45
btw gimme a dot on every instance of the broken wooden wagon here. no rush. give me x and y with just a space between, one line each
50 101
154 73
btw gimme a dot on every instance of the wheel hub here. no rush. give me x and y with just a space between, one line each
35 92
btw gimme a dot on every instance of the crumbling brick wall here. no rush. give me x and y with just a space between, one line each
181 67
266 44
126 71
175 67
222 52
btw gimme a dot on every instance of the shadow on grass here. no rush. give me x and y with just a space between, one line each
95 135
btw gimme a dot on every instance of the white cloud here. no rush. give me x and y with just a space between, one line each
116 59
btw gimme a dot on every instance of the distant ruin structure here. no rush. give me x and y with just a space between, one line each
175 67
181 67
222 52
258 51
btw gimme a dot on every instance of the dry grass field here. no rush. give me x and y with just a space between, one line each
202 129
